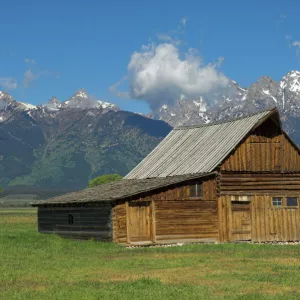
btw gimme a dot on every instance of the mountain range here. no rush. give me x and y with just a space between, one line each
236 101
65 144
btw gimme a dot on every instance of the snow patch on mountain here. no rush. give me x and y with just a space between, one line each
291 81
80 100
238 101
27 106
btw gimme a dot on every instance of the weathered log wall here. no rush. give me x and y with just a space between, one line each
268 223
265 150
174 215
119 223
258 183
181 220
77 222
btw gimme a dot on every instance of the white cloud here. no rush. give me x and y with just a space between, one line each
33 72
169 38
8 83
183 21
165 37
114 89
296 44
29 76
158 74
30 61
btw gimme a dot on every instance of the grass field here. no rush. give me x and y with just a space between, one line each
36 266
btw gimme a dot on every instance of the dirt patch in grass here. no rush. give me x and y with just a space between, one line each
17 220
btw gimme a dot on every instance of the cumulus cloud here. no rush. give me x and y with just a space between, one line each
169 38
159 74
8 83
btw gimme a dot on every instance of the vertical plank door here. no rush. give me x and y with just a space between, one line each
241 221
139 221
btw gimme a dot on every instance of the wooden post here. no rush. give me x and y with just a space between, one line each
153 231
128 227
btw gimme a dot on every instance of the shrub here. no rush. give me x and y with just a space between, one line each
104 179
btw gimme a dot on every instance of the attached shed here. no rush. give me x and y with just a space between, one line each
230 181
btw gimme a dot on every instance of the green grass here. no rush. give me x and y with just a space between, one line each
37 266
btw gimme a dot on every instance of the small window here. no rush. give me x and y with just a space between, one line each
277 201
71 219
291 201
196 190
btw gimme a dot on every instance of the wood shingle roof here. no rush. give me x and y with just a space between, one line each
197 149
118 190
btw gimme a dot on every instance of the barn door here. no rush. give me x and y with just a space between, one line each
139 221
241 221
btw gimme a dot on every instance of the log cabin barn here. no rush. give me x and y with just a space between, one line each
221 182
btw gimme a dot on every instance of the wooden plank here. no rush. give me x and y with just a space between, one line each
153 222
221 223
266 149
128 225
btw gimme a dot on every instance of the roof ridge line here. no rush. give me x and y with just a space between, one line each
223 122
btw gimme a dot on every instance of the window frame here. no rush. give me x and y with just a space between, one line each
284 201
196 184
281 199
292 206
70 219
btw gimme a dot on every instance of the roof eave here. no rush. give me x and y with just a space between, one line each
192 177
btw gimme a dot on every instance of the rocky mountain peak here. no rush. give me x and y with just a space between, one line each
81 93
54 103
291 82
80 99
238 102
6 98
54 100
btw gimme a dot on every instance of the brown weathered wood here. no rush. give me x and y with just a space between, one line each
266 149
139 228
153 222
265 164
128 225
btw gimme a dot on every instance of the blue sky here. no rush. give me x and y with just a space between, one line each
56 47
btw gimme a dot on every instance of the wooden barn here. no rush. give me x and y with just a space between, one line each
229 181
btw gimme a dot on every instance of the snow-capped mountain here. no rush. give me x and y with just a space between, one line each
5 98
55 103
80 100
236 101
233 101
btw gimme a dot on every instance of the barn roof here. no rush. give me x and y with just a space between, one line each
118 190
198 149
